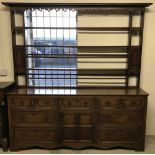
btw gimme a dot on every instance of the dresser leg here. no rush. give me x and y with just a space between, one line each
4 143
140 147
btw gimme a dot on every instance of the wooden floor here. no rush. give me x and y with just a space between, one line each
150 149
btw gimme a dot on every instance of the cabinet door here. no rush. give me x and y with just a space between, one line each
77 127
77 120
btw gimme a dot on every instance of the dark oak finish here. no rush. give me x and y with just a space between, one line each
80 117
4 87
20 60
131 53
81 5
101 118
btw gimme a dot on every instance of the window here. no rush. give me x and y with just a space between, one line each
50 41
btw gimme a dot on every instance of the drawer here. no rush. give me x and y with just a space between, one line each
121 103
34 118
128 134
31 135
33 103
135 102
108 102
120 118
21 102
46 103
76 103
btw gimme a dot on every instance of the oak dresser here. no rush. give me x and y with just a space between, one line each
77 118
77 76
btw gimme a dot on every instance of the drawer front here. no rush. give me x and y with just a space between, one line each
121 103
46 103
120 118
34 118
33 103
37 135
108 102
135 102
21 102
120 134
76 103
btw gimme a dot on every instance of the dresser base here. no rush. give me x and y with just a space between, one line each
101 119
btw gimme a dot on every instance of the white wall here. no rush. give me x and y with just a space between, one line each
148 57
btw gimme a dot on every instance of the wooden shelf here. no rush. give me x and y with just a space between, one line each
77 55
126 29
103 47
131 53
52 117
77 5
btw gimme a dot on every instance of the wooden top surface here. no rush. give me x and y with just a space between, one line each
18 4
76 92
